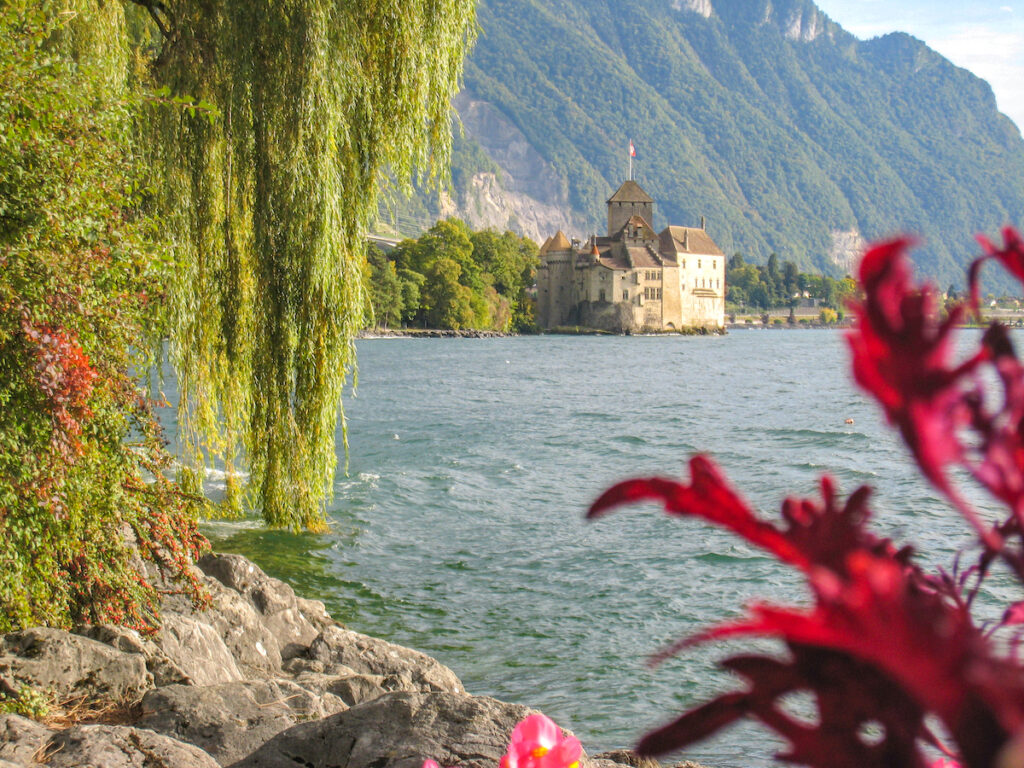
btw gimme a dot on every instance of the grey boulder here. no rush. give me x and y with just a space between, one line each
230 720
398 730
71 666
279 609
198 650
401 669
21 739
165 670
116 746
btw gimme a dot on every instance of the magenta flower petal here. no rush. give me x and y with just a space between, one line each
537 742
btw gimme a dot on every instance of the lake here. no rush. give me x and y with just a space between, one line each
459 527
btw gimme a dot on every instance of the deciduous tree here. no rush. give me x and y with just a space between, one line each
317 103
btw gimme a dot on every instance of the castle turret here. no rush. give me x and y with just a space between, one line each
630 200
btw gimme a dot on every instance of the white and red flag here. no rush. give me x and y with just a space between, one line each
632 149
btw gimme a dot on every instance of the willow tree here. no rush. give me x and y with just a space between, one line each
287 117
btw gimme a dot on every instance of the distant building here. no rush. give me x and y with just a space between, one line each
633 280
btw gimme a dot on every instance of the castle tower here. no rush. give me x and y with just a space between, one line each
630 200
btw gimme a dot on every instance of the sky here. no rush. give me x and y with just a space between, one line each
982 36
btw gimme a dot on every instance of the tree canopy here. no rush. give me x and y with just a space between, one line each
201 173
453 278
83 489
766 286
317 103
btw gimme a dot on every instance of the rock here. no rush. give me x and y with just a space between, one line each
256 651
198 650
620 757
275 601
403 669
116 746
398 730
316 613
351 688
230 720
164 670
628 757
254 647
71 666
21 739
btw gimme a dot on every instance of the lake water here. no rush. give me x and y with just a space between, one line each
459 528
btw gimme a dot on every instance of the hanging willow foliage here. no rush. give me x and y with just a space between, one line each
315 104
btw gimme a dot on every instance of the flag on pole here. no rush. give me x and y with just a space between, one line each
632 149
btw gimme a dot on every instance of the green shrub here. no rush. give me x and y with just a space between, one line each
82 462
30 702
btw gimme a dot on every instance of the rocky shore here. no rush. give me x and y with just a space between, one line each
263 679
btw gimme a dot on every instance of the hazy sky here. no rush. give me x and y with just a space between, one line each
983 36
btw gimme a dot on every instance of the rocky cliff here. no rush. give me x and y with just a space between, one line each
765 116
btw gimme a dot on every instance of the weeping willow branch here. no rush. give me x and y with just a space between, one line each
160 14
318 101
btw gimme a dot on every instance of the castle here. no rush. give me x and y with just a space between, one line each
633 280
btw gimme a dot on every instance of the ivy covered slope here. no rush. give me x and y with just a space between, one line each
763 115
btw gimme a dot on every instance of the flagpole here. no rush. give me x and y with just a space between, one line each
630 153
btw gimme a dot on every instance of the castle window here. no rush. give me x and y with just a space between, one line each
601 295
658 292
684 263
625 295
698 263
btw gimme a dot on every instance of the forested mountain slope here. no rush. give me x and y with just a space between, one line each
790 135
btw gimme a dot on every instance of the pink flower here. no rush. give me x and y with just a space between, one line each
537 742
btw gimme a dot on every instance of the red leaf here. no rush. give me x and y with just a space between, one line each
708 496
1014 614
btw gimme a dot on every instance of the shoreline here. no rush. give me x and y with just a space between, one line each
263 679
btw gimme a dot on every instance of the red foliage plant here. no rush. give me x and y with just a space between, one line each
65 377
884 647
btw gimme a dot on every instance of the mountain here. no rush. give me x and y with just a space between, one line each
789 134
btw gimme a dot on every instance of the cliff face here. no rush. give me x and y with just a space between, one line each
765 116
529 196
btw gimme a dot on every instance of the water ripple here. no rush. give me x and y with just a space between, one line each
465 537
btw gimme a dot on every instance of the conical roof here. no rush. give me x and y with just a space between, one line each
559 242
547 243
630 192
